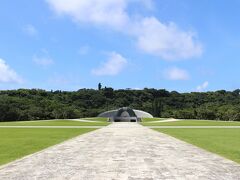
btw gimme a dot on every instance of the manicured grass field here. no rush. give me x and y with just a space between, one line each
16 143
100 119
192 123
53 123
225 142
152 119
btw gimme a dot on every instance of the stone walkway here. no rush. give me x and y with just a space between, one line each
122 151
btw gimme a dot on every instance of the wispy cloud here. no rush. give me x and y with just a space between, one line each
176 74
43 59
165 40
113 66
30 30
203 86
7 74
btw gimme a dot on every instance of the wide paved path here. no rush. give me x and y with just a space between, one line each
122 151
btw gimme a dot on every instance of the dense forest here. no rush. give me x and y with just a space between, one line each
34 104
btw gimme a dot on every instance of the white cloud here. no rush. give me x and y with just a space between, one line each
113 66
30 30
203 86
176 74
7 74
99 12
166 41
42 61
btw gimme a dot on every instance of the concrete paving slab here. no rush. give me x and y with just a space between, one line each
122 151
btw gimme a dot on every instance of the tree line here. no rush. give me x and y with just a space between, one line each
37 104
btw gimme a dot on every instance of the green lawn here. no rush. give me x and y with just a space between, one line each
16 143
152 119
53 123
192 123
225 142
100 119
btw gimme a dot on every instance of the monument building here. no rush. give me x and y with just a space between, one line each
125 114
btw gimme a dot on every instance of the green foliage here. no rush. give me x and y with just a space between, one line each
24 104
99 86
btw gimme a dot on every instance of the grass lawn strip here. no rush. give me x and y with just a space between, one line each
152 119
17 143
193 123
100 119
225 142
54 123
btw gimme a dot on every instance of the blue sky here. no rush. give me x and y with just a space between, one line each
182 45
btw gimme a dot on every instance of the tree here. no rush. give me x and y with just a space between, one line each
30 104
157 107
99 86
